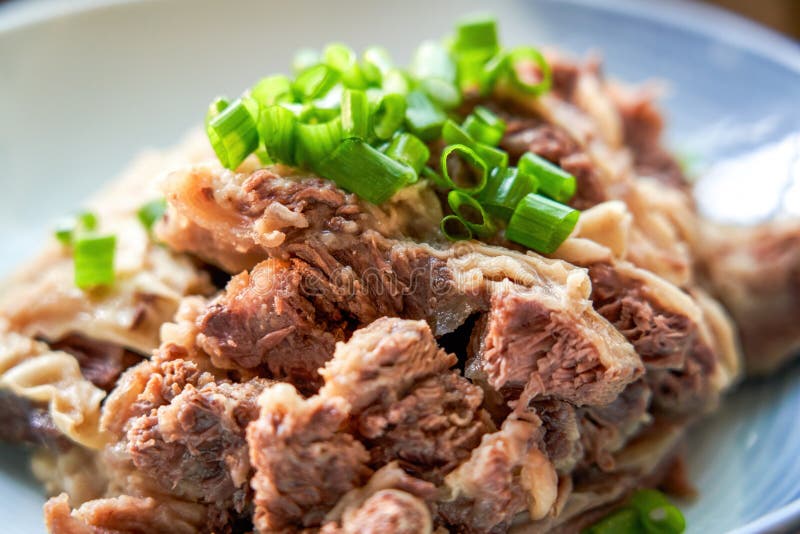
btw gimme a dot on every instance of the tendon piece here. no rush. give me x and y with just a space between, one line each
506 475
755 273
234 220
304 459
391 501
407 406
125 514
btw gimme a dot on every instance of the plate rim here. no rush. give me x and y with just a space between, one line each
686 15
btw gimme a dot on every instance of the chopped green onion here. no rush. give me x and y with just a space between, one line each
375 64
657 514
453 134
463 169
423 118
233 134
504 191
272 90
431 60
409 149
94 260
495 68
624 521
454 228
554 181
442 92
305 58
541 224
476 34
344 60
471 212
361 169
66 229
315 142
215 108
494 157
389 115
355 114
276 126
434 177
315 82
151 212
484 126
521 59
395 82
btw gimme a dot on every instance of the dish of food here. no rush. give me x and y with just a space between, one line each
471 295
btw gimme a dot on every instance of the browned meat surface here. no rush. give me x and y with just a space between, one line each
101 362
304 459
22 421
755 273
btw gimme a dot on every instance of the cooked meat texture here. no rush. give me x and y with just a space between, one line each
755 273
195 445
526 133
391 501
406 404
125 514
101 362
525 348
643 125
280 319
304 459
506 474
235 220
22 421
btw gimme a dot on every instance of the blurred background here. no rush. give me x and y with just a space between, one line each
781 15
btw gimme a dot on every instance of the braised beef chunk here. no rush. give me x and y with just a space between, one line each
22 421
281 319
304 459
195 445
101 362
406 404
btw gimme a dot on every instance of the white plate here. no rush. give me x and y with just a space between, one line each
85 85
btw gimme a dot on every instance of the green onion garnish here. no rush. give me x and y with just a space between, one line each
276 126
66 229
315 142
215 108
357 167
233 134
463 169
344 60
423 117
452 133
540 223
646 512
454 228
410 150
389 115
395 82
355 114
471 212
375 64
305 58
315 82
94 260
151 213
520 58
554 181
272 90
493 70
504 190
476 34
484 126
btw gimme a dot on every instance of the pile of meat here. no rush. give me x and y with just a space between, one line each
357 373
